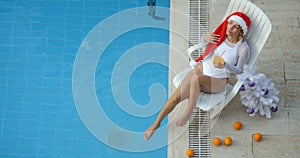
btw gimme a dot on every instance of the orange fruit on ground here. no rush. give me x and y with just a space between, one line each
237 125
189 152
217 141
257 137
227 141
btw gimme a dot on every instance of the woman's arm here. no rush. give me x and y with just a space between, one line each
243 57
212 38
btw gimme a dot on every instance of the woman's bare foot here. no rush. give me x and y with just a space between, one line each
182 121
149 132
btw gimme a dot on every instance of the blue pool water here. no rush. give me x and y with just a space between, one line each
43 107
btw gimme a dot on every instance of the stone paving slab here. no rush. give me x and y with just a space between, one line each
290 39
277 125
294 122
292 70
277 146
293 94
270 58
241 146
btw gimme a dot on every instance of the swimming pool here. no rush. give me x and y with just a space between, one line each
44 55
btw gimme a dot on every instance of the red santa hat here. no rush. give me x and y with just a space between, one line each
242 19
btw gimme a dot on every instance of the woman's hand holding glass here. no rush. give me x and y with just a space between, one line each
219 62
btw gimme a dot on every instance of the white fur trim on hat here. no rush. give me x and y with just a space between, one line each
241 22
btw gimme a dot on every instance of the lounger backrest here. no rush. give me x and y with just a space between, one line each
256 36
260 27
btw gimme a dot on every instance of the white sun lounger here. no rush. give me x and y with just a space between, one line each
256 38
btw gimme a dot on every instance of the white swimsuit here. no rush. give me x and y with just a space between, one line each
230 54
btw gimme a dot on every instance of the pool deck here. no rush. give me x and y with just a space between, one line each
279 60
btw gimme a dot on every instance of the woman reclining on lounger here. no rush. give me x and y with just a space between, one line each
226 52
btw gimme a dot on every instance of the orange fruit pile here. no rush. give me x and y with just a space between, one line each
228 140
189 152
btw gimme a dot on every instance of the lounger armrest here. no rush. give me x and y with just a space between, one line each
233 91
191 49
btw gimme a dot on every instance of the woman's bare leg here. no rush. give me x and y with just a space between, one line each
194 94
181 93
200 83
194 91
